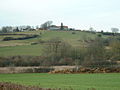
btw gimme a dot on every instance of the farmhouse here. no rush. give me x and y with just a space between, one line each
54 27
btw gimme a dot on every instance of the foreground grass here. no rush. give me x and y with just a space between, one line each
76 81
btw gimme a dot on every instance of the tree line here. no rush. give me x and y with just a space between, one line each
100 52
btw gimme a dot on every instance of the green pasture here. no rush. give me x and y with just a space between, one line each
75 81
34 50
24 47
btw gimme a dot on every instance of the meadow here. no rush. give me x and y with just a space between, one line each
33 50
24 47
75 81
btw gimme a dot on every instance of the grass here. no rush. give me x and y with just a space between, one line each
68 36
23 47
76 81
34 50
15 36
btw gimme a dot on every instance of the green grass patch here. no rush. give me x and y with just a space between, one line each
34 50
76 81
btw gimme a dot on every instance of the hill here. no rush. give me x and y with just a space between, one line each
34 46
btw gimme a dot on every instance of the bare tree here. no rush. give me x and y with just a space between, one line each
92 29
46 25
6 29
115 30
56 49
115 49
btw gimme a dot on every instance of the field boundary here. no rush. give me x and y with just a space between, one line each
59 69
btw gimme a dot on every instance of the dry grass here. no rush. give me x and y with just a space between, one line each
87 70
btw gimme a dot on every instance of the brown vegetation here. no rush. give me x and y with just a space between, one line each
87 70
40 69
11 86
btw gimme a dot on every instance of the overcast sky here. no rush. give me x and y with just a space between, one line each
81 14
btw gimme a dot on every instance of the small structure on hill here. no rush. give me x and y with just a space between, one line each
54 27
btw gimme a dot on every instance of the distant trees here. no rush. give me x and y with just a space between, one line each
95 52
37 27
6 29
114 30
16 29
28 27
56 49
115 49
46 25
91 29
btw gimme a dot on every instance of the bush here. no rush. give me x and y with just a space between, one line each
20 38
21 61
8 38
100 64
73 32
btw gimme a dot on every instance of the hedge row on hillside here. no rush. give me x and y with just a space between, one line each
4 34
20 38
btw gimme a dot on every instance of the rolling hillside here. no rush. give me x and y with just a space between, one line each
34 46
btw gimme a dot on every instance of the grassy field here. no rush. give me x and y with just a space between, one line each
75 81
24 47
34 50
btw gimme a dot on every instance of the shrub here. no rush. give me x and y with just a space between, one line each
20 38
73 32
8 38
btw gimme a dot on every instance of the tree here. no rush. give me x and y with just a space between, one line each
49 23
28 27
115 30
62 27
6 29
16 29
95 52
37 27
115 49
56 49
92 29
46 25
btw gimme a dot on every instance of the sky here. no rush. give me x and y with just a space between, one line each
79 14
